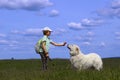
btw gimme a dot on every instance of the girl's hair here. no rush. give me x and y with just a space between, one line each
45 32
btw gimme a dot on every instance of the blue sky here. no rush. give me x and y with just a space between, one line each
93 25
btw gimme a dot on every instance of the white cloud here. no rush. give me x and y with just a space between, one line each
54 13
8 42
84 38
102 44
106 12
109 12
2 35
59 31
16 32
41 14
86 43
29 32
112 11
14 42
4 42
88 39
25 4
116 4
37 32
76 26
91 22
79 38
90 33
117 35
85 23
33 31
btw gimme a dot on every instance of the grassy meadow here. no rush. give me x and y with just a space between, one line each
59 69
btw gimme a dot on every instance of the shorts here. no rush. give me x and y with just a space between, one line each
42 54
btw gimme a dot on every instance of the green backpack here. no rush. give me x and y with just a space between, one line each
37 46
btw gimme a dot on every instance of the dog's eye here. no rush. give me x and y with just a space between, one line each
76 49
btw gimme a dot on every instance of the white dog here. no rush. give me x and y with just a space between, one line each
81 61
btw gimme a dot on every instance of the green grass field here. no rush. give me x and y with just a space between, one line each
59 69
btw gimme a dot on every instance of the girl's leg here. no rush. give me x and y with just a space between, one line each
44 61
48 58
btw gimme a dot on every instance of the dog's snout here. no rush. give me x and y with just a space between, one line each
68 46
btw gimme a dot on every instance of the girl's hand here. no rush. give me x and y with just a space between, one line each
64 43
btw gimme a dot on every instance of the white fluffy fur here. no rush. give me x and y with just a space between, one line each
82 61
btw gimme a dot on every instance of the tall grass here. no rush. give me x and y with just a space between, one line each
59 69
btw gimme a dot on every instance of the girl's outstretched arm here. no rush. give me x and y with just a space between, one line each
58 44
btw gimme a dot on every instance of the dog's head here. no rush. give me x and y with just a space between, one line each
74 49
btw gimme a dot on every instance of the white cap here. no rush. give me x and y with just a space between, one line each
46 29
